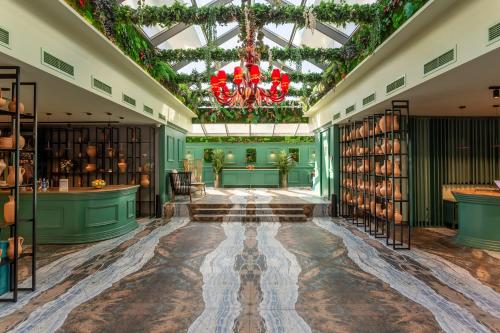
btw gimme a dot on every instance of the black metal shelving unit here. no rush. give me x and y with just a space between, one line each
360 182
25 123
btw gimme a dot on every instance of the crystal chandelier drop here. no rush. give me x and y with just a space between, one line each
246 91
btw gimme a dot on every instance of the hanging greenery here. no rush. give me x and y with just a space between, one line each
325 11
196 77
250 139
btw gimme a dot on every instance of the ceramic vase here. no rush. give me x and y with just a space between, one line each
6 142
360 201
145 181
22 142
372 207
377 129
397 192
3 101
386 147
396 146
8 211
377 190
395 123
398 218
91 151
122 166
372 186
386 168
12 106
11 178
3 165
90 167
390 211
10 249
365 129
378 209
385 123
397 169
378 170
348 197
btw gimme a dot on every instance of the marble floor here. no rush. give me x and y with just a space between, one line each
323 275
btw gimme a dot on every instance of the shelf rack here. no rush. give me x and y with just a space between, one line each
19 122
361 203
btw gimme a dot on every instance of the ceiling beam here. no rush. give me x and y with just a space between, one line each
180 27
218 42
284 43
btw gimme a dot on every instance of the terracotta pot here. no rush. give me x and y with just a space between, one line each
6 142
397 169
378 150
397 192
377 190
396 146
386 147
11 178
3 165
395 123
145 181
8 211
385 123
378 170
390 211
372 207
10 249
122 166
90 167
378 209
91 151
22 142
386 168
398 218
3 101
348 197
372 186
377 129
365 129
12 106
360 200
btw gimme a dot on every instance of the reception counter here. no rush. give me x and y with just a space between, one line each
80 215
242 177
478 218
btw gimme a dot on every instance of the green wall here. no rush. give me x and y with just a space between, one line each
449 151
171 151
300 175
326 181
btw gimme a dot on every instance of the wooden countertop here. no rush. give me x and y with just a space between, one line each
483 192
84 190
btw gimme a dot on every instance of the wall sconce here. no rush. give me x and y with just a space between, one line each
272 156
188 156
496 91
230 155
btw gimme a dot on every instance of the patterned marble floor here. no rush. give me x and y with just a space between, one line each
320 276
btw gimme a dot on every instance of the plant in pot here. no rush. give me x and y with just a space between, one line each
217 164
284 162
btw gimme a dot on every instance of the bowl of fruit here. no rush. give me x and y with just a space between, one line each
98 183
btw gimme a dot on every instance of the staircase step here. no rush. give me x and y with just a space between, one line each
250 218
248 211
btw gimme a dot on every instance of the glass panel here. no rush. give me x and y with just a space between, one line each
262 129
304 129
197 130
238 129
215 129
285 129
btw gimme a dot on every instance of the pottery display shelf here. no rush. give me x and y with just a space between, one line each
237 177
478 218
81 215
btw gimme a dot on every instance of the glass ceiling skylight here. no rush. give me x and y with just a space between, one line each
250 130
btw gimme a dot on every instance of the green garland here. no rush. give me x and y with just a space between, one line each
196 78
326 11
321 55
250 139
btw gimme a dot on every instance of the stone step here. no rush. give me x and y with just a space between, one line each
250 218
248 211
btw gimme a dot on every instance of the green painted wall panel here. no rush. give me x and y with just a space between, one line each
171 151
300 176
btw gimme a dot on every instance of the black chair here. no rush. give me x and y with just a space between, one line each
180 183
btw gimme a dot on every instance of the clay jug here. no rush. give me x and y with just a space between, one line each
8 211
12 106
378 170
372 207
122 166
387 168
11 178
372 186
10 249
390 211
378 150
365 129
397 169
397 192
396 146
22 142
360 201
91 151
145 180
90 167
378 130
395 123
377 190
349 197
3 101
378 209
386 147
385 123
398 218
3 165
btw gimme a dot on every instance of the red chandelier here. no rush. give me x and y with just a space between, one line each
246 90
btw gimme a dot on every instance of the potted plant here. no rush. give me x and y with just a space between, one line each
217 164
284 163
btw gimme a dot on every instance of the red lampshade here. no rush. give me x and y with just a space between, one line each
254 74
275 76
214 83
285 82
238 75
221 76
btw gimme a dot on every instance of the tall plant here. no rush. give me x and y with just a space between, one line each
217 165
284 163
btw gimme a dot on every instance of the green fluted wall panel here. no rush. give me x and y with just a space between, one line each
172 149
450 151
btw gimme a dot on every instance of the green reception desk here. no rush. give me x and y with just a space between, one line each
250 178
478 218
80 215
